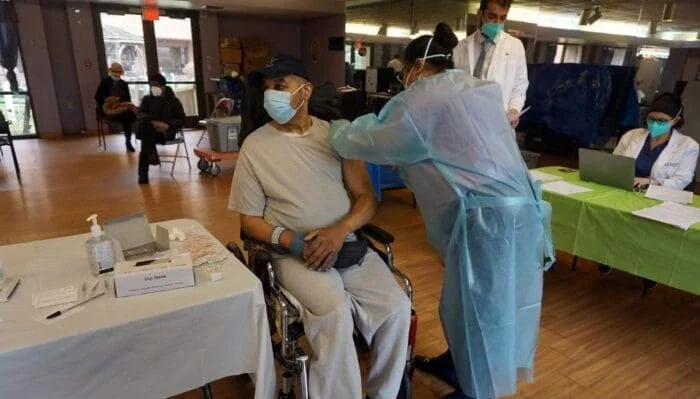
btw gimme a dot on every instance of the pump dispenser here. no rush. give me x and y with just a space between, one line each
100 249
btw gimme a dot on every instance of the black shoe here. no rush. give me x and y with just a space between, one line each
129 147
604 269
143 179
441 367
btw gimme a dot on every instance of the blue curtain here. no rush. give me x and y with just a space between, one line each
9 42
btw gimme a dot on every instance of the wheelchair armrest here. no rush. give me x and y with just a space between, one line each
378 234
236 251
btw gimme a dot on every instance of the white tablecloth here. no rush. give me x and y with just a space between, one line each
148 346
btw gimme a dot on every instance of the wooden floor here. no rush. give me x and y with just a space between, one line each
598 339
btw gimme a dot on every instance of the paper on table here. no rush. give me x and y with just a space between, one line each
666 194
543 177
681 216
58 296
564 188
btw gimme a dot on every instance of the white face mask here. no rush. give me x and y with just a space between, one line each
114 76
156 91
425 57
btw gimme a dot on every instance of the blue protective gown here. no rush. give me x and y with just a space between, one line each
451 139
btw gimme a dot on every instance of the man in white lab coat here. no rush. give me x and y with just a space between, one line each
492 54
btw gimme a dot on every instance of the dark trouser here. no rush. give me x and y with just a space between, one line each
149 138
127 119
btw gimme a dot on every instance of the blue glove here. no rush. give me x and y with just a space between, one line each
296 248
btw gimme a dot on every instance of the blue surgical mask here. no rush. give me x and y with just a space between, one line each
658 128
278 105
492 30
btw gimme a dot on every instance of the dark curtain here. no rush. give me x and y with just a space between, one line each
9 42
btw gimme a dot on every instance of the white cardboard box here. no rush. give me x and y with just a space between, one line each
153 274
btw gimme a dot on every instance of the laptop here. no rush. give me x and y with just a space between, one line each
134 236
606 169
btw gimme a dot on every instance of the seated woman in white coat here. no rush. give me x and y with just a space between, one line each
664 156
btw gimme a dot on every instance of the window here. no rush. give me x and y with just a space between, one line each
15 101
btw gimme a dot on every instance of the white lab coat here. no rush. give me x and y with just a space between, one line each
675 167
508 66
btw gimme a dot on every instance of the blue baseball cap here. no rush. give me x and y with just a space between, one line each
279 66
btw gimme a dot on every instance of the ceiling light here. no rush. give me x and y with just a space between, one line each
597 14
669 10
585 14
653 26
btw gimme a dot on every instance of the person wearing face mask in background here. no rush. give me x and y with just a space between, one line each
664 156
114 86
160 117
451 139
494 55
295 193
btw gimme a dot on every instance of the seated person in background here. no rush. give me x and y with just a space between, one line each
114 86
160 117
396 63
663 155
295 193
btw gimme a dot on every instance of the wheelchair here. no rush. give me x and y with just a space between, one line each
286 326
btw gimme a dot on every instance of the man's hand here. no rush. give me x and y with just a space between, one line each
641 181
160 126
322 246
513 117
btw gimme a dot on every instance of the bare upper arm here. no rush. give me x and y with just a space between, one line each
356 178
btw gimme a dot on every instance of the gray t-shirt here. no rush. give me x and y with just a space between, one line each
291 180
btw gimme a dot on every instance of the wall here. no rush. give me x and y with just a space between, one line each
209 45
675 66
37 65
331 64
84 50
283 35
68 97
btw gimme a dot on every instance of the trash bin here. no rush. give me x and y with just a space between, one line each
223 133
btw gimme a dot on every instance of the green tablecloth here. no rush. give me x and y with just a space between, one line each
599 225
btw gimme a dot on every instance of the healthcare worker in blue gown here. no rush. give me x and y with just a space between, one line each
451 139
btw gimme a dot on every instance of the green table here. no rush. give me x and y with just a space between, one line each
599 225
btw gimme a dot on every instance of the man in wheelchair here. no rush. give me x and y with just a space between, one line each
296 194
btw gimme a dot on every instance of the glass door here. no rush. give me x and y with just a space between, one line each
124 42
176 59
142 47
15 102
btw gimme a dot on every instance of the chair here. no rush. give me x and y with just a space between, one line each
286 326
178 140
100 119
6 140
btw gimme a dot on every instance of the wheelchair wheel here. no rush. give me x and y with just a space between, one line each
406 389
215 170
203 164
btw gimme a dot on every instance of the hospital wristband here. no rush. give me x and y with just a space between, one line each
275 239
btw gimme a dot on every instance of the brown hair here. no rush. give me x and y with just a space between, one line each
502 3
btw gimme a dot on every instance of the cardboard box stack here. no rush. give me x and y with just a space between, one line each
256 53
231 54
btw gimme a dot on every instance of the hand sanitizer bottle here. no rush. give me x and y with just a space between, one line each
100 249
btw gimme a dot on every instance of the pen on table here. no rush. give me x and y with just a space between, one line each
13 289
60 312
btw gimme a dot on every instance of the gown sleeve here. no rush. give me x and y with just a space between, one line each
392 138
